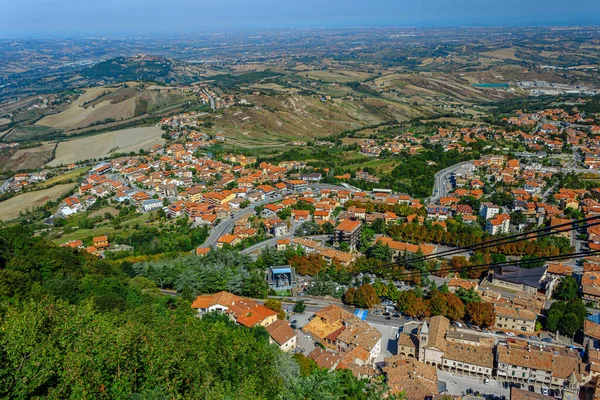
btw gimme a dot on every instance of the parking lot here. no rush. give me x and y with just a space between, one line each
458 385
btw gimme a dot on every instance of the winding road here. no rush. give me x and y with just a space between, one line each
440 187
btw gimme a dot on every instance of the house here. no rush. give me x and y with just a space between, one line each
300 215
283 244
202 251
399 248
71 205
74 244
283 335
455 283
175 210
242 310
340 330
348 231
278 229
151 205
563 225
514 319
469 358
438 213
230 240
100 242
591 334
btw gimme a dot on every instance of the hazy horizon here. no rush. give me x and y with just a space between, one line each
156 17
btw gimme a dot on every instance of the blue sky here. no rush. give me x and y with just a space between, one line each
115 17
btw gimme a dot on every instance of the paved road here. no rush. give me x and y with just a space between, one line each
440 187
273 241
226 225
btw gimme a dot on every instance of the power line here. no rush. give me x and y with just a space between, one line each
551 230
557 257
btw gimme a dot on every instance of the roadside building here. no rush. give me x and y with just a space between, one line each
432 340
514 319
340 330
348 231
240 309
283 335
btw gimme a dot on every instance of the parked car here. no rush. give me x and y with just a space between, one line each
547 340
544 390
522 336
510 334
534 337
486 381
458 324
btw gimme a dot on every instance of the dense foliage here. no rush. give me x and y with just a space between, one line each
73 326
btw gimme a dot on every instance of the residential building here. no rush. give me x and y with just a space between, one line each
514 319
340 330
100 242
283 335
488 210
498 225
151 205
230 240
242 310
348 231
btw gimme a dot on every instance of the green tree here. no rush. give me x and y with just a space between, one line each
569 324
299 307
567 289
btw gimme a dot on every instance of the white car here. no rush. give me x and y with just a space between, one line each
486 381
510 334
544 390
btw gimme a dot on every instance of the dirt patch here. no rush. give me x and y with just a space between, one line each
31 158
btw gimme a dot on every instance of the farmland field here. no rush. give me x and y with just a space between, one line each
31 158
9 209
102 145
340 76
65 178
77 113
29 132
